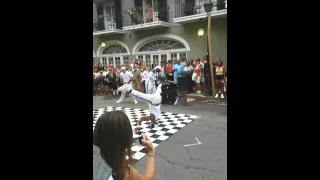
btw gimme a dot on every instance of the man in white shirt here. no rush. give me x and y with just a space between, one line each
154 101
126 78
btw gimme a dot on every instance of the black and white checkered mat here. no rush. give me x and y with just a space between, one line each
169 124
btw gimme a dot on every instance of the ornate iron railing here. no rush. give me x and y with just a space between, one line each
147 14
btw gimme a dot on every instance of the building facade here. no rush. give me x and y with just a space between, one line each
156 30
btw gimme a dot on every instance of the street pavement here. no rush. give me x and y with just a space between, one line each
206 161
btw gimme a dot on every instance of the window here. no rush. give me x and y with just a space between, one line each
161 45
110 60
182 55
155 60
118 63
126 59
104 61
148 61
163 58
114 49
140 59
173 56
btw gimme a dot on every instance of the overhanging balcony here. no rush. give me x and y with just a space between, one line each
104 25
139 18
187 11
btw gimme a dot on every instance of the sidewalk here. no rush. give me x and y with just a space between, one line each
207 99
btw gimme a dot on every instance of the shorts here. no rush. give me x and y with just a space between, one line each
198 79
170 77
219 77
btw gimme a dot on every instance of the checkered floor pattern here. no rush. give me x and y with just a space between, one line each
169 124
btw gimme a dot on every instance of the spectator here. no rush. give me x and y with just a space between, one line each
202 63
169 70
175 70
113 136
188 68
96 80
197 70
219 78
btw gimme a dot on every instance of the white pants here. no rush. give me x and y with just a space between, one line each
150 86
153 99
123 95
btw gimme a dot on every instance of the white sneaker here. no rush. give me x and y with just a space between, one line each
217 94
135 102
119 101
159 90
222 96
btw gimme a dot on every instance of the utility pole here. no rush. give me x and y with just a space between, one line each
210 53
208 5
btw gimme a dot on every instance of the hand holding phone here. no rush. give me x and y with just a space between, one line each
142 137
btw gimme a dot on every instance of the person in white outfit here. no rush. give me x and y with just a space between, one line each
126 78
154 101
150 83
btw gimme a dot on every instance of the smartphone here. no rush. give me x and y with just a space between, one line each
142 137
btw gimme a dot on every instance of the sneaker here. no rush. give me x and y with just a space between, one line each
119 101
217 94
135 102
159 90
125 88
222 96
199 92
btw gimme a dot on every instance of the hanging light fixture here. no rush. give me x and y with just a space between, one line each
200 32
103 44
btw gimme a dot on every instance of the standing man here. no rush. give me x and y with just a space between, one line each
175 69
136 81
125 78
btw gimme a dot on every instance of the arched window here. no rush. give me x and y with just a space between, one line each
160 48
115 52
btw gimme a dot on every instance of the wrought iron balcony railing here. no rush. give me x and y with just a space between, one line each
147 14
187 9
102 23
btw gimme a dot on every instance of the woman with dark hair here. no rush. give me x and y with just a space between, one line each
219 78
113 136
169 70
152 66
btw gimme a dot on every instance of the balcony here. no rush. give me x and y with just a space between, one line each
139 18
193 10
105 25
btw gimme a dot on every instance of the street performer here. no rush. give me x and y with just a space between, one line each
154 101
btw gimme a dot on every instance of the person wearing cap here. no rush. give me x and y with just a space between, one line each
125 78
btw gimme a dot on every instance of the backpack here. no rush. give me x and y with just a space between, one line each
101 170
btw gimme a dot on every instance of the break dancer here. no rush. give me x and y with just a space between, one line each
154 101
126 78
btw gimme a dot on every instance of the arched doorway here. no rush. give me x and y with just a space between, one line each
157 48
115 52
